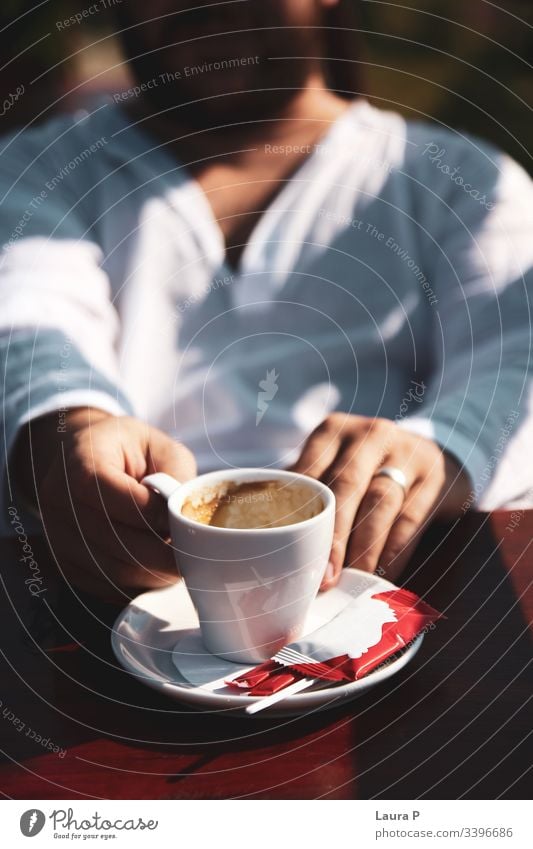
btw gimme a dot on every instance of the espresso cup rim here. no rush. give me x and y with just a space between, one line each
266 474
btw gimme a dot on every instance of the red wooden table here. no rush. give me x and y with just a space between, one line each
455 723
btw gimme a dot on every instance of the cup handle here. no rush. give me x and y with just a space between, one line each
161 483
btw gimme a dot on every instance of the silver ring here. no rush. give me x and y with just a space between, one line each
395 475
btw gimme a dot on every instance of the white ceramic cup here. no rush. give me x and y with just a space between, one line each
251 587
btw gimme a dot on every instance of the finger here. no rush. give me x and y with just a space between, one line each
109 474
319 451
407 529
127 577
130 545
88 530
123 498
97 569
73 565
379 509
349 477
391 568
106 578
90 584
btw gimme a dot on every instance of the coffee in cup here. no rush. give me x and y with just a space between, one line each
253 504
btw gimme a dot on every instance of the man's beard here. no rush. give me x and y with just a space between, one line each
268 85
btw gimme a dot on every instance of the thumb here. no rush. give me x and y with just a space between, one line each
164 454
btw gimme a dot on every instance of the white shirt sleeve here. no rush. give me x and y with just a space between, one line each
479 402
58 327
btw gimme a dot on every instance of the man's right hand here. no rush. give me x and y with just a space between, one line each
108 534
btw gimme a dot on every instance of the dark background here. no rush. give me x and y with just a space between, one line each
466 63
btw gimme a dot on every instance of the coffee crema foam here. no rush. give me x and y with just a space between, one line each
253 504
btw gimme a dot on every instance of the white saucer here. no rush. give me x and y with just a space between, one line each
157 639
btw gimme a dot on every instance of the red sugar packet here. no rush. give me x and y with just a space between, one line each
366 633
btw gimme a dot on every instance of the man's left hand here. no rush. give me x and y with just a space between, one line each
377 523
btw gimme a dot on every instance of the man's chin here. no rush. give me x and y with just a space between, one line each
209 109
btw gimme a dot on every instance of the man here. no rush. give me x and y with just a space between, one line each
241 255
